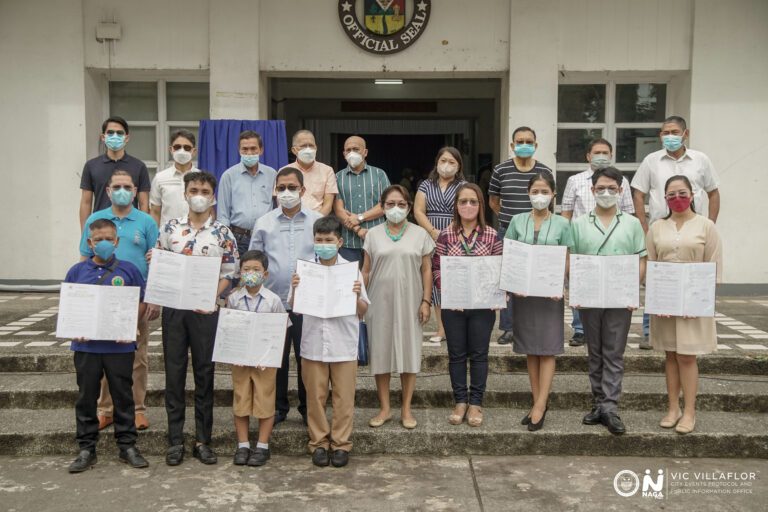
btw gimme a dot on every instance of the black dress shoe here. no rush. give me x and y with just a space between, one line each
506 338
204 454
613 423
592 417
340 458
577 340
241 456
258 457
85 460
174 455
533 427
320 457
133 457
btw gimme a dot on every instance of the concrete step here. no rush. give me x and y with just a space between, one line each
718 434
642 392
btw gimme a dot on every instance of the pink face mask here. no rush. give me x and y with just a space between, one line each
468 211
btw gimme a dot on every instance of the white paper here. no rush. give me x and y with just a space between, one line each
183 282
533 270
471 282
680 289
325 291
253 339
604 281
96 312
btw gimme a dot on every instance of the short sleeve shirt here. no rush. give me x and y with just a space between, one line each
555 230
168 193
97 172
511 185
212 239
318 181
624 236
360 192
578 197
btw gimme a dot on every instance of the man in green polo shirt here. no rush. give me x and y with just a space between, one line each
606 231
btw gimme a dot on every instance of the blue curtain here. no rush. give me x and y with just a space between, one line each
219 143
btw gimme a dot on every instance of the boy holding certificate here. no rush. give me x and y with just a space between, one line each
113 358
253 388
329 355
607 231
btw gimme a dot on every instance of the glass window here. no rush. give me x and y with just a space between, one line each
633 144
572 143
135 101
143 143
582 103
640 103
187 101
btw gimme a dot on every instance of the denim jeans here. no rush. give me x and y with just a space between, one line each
468 334
578 327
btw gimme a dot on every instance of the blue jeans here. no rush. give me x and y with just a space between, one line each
578 327
646 324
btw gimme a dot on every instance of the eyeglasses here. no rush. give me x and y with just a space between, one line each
283 188
682 193
471 202
115 132
611 190
124 187
185 147
392 204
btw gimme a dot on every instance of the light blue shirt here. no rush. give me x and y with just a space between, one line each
284 240
242 197
137 233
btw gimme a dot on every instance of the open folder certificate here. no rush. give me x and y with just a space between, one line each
604 281
471 282
680 289
182 282
96 312
253 339
325 291
533 270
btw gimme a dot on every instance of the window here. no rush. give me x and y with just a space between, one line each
154 110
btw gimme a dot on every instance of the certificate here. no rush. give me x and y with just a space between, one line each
325 291
245 338
182 282
604 281
533 270
471 282
96 312
680 289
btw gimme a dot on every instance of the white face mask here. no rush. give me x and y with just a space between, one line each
306 155
541 201
199 204
354 158
182 157
288 199
606 199
447 170
396 215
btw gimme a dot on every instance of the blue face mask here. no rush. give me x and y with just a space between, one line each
672 142
104 249
122 197
252 278
326 251
525 150
115 142
249 160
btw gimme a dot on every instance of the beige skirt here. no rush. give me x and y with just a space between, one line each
687 336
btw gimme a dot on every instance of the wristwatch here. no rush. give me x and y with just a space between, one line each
360 217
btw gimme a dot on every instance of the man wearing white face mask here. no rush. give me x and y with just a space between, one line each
319 178
166 198
579 200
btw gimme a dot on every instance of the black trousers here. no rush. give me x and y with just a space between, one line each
468 334
243 242
185 332
292 338
118 369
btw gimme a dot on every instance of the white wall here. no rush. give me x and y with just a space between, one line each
729 108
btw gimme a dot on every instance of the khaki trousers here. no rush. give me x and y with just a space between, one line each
343 378
140 369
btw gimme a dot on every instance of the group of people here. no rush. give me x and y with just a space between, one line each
260 222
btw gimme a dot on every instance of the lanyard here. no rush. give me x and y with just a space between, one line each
549 226
247 305
468 244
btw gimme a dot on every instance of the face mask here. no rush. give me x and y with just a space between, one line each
396 215
606 199
679 204
447 170
252 278
468 211
672 142
599 162
104 249
115 142
288 199
121 197
199 204
541 201
307 155
525 150
326 251
353 158
249 160
182 157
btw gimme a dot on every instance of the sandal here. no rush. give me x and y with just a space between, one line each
475 416
457 416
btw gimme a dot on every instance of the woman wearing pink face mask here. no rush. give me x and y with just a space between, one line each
684 237
468 332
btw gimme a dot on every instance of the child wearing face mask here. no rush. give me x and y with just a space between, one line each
253 388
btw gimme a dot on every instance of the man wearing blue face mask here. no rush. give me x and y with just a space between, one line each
137 234
97 171
245 190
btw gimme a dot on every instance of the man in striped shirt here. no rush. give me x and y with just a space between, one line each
508 196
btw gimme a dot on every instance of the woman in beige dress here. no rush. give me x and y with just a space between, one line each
397 269
685 237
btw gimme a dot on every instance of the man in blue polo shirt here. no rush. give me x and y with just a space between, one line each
137 232
113 358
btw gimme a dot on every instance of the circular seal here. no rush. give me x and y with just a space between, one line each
384 29
118 281
626 483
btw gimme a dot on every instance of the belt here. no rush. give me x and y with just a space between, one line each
240 231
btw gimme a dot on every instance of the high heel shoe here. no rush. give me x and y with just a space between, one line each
533 427
526 419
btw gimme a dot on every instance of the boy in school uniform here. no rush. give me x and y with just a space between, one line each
113 358
329 355
253 388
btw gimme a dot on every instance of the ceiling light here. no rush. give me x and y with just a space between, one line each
388 81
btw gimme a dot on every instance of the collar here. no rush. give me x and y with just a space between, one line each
301 211
105 158
242 291
593 215
185 220
349 170
92 264
244 169
687 154
132 214
301 169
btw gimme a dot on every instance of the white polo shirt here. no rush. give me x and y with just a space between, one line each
167 192
659 166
